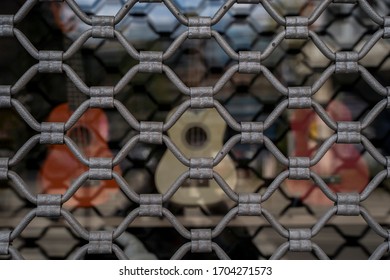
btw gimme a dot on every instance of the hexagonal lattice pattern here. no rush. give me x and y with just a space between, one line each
295 68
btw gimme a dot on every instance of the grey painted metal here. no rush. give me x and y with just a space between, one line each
247 62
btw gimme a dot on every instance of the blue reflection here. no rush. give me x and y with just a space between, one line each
243 107
241 36
139 32
90 6
188 5
162 19
261 20
209 10
110 8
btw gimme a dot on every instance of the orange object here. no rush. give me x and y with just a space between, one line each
62 168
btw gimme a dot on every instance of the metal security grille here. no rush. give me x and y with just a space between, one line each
295 93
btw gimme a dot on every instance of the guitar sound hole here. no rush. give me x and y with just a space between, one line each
81 136
196 136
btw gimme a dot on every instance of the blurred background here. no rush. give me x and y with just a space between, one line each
152 97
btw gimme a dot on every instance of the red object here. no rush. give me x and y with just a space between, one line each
342 167
61 167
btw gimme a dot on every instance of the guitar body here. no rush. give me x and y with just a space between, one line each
198 133
61 167
342 168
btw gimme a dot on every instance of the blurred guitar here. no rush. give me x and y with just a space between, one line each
61 168
342 168
198 133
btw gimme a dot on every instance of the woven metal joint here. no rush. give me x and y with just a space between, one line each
252 132
5 97
103 26
347 62
201 168
299 240
101 97
6 25
150 62
349 132
249 62
5 239
4 163
151 132
299 168
151 205
100 168
202 97
100 242
199 28
297 28
50 61
52 133
49 205
249 204
201 241
348 204
386 27
299 97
